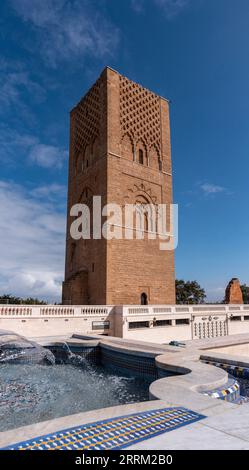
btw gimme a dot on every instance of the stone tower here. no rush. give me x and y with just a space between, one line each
233 292
119 150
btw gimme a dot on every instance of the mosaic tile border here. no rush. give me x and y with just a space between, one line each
113 433
236 371
230 393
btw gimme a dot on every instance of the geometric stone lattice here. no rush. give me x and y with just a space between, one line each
140 114
87 119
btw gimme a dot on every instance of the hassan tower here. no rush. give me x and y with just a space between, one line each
119 150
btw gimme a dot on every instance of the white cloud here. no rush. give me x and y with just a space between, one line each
47 156
32 241
16 84
14 145
68 29
209 188
40 285
172 8
50 192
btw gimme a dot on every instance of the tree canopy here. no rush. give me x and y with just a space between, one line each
189 292
245 293
11 299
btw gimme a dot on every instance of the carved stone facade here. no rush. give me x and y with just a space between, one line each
234 292
119 150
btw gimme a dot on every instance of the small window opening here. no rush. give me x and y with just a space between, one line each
141 157
144 299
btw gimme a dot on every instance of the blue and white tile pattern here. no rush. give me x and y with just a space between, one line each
115 433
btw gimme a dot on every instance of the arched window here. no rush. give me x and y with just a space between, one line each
145 217
144 299
141 157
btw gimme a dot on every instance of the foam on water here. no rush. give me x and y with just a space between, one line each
32 393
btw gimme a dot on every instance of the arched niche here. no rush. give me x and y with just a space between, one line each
127 148
154 158
141 153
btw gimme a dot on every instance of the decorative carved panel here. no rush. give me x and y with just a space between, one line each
140 114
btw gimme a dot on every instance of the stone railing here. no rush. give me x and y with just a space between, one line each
85 310
197 321
38 311
15 311
147 322
191 309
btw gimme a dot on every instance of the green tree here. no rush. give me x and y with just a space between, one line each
11 299
245 293
189 292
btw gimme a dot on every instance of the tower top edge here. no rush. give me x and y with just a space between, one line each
107 67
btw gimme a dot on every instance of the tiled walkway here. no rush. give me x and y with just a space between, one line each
115 433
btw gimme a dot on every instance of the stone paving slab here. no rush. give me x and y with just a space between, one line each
196 436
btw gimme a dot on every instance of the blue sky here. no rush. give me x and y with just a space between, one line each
193 52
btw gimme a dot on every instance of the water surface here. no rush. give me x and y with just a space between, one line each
31 393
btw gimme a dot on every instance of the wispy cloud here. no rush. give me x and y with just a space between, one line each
137 5
32 234
209 188
47 156
28 148
52 192
172 8
68 29
17 87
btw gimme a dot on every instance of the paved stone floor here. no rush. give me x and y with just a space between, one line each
219 432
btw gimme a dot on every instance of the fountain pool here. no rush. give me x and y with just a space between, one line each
31 393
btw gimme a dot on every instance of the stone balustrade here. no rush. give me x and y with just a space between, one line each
35 311
154 323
